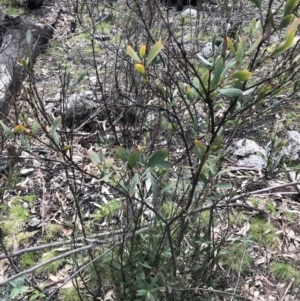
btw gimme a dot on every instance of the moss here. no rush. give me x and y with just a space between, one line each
10 226
51 267
21 238
52 231
28 260
19 213
70 294
290 216
238 219
237 258
284 271
29 198
107 210
264 233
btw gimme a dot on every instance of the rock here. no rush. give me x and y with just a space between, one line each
78 107
35 223
292 148
189 12
207 50
248 153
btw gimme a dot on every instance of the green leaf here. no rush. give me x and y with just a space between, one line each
142 51
224 185
133 158
28 36
286 21
35 127
158 157
164 164
154 186
257 3
241 49
132 54
289 6
122 153
282 47
231 46
7 130
231 92
201 148
94 157
219 67
142 292
68 79
242 75
140 69
132 185
205 61
161 89
296 86
154 51
78 79
54 135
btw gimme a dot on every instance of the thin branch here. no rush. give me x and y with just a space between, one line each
60 243
8 280
78 271
247 194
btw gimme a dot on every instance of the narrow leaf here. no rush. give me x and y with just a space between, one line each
140 69
286 21
132 185
289 6
158 157
35 127
56 123
217 71
133 158
154 51
257 3
242 75
54 135
224 185
204 60
142 51
78 79
241 48
231 46
20 129
122 153
68 79
133 54
231 92
201 148
28 36
285 45
7 130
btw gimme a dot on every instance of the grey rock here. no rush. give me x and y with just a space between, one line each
207 50
292 148
189 12
35 223
248 153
